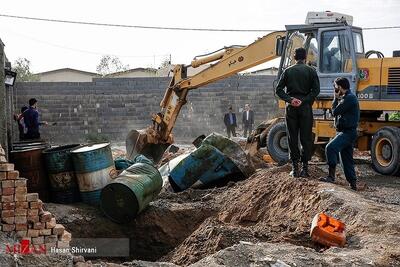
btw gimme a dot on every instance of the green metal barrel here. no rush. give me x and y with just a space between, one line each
128 194
63 184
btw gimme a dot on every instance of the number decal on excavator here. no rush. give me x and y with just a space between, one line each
365 96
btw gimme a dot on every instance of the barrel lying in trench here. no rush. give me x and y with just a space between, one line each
28 160
131 192
205 165
94 168
63 184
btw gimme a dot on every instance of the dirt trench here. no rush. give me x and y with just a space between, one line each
185 227
160 228
266 216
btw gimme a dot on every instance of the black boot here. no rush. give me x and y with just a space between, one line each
353 185
304 170
295 169
331 175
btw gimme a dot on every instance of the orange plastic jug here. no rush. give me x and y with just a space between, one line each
328 231
267 158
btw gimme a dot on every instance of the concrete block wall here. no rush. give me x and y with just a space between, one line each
111 107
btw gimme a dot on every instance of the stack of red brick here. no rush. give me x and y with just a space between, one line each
23 212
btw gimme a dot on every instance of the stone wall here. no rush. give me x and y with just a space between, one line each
111 107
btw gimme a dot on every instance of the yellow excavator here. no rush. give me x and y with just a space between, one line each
335 48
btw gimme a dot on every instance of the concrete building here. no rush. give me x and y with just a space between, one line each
134 73
66 75
267 71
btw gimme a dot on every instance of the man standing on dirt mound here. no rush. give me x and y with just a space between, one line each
346 110
302 87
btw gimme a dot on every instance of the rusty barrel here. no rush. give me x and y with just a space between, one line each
63 184
129 193
28 160
94 167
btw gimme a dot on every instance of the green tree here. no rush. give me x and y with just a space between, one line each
110 64
165 63
22 67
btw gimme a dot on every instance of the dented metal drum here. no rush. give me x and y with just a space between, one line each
94 169
63 184
205 165
131 192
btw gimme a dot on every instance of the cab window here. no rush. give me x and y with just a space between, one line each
295 40
312 54
358 43
335 56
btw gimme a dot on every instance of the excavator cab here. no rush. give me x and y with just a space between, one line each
332 49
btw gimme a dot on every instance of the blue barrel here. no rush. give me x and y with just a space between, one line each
203 166
131 192
63 184
94 168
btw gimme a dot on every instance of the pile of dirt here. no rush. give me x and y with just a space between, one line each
261 208
271 206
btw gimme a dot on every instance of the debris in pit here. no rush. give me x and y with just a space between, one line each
197 142
232 150
123 163
215 160
205 165
170 154
328 231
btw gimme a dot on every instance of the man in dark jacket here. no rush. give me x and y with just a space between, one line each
346 110
19 118
247 120
31 119
230 122
302 87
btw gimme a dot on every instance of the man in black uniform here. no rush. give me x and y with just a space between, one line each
346 110
302 87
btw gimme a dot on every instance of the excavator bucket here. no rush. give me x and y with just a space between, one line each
140 142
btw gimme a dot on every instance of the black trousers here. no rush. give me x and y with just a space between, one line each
231 129
247 128
30 135
299 121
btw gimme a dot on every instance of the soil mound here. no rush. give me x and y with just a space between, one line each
271 206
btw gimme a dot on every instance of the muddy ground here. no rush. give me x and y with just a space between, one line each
262 221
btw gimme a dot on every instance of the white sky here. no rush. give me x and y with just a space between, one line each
54 45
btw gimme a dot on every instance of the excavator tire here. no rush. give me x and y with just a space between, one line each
277 144
385 150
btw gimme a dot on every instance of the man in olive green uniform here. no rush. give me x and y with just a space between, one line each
302 87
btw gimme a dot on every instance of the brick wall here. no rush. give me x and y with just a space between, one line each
112 107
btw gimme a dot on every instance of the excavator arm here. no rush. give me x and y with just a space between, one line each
153 140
